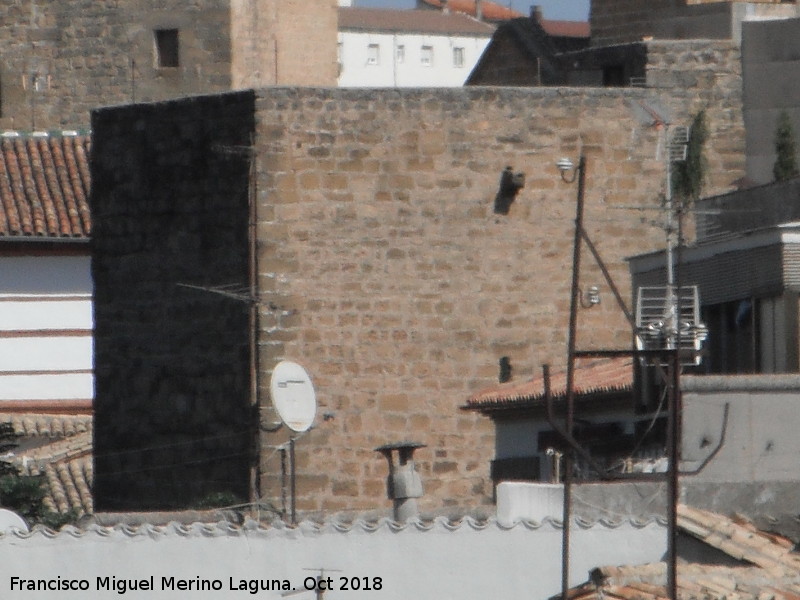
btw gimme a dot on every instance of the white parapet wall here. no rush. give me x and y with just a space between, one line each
465 559
518 501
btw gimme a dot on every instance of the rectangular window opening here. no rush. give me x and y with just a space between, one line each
373 54
427 56
458 57
400 54
167 52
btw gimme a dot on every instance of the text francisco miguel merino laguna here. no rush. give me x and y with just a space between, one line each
196 584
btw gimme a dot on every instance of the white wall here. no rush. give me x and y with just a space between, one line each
45 328
389 72
468 561
761 442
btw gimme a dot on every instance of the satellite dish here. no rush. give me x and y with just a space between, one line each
9 521
293 395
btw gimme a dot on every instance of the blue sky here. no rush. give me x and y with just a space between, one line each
570 10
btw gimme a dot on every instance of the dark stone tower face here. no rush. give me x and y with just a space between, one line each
170 201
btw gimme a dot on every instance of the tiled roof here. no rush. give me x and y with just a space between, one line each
65 462
577 29
491 11
740 539
51 426
67 466
44 185
596 377
411 21
775 574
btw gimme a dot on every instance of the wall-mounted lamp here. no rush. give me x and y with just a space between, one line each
565 165
590 297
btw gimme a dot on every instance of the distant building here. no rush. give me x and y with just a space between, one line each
60 63
408 48
45 281
482 10
622 21
746 262
523 51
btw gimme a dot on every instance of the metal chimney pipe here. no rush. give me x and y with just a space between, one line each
404 484
479 10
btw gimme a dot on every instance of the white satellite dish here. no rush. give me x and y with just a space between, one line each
9 521
293 395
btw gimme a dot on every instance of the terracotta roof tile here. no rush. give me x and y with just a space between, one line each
64 459
600 376
67 467
411 21
491 11
776 575
48 425
44 185
577 29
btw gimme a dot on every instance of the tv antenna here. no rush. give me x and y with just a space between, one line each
321 584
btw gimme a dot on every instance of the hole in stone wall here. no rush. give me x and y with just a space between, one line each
510 185
505 369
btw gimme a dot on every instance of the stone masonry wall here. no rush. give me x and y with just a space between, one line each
91 53
173 420
622 21
391 279
382 267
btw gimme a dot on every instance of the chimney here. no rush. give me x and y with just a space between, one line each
404 483
479 10
536 13
445 7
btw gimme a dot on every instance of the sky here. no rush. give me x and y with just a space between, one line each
569 10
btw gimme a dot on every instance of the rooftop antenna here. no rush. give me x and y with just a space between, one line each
319 584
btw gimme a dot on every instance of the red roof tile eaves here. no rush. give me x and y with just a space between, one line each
578 29
601 377
44 180
490 10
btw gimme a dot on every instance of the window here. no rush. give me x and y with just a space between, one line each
167 55
458 57
373 54
426 58
400 54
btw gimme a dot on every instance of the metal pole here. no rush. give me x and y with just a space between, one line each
293 480
672 482
571 342
284 477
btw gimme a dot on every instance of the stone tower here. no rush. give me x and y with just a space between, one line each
60 63
621 21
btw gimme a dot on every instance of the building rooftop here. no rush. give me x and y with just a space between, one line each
411 21
44 185
593 379
58 447
770 568
490 10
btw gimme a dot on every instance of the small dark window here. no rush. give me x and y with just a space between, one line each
614 76
167 55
